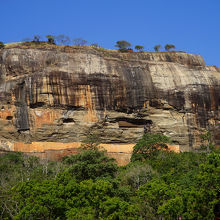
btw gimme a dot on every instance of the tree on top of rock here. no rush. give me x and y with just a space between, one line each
37 38
157 47
79 42
63 39
123 45
50 39
139 48
169 47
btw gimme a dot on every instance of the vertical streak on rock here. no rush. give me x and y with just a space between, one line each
22 111
91 108
134 80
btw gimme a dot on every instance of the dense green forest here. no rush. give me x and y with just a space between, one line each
156 184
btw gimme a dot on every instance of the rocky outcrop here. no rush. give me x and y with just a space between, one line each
56 94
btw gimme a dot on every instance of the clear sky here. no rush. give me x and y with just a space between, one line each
191 25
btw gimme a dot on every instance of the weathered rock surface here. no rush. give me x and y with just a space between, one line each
58 94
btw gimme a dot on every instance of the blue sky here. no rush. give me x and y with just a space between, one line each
191 25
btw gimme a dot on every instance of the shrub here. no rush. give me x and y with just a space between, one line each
79 42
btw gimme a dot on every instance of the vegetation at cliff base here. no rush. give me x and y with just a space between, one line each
157 184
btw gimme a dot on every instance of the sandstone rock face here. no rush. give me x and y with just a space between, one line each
58 94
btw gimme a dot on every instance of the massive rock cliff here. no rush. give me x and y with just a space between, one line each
50 97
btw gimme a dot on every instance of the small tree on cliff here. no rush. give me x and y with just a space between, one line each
95 45
63 39
79 41
36 38
169 47
50 39
139 48
157 47
123 45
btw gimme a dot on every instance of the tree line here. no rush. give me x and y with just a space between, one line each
156 184
122 45
57 39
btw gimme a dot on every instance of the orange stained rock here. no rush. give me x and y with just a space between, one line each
42 146
44 116
91 116
13 98
56 150
122 159
175 148
5 112
83 97
118 148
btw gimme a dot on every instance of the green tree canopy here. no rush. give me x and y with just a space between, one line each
122 45
50 39
139 47
157 47
68 199
207 142
169 47
90 164
149 145
157 184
